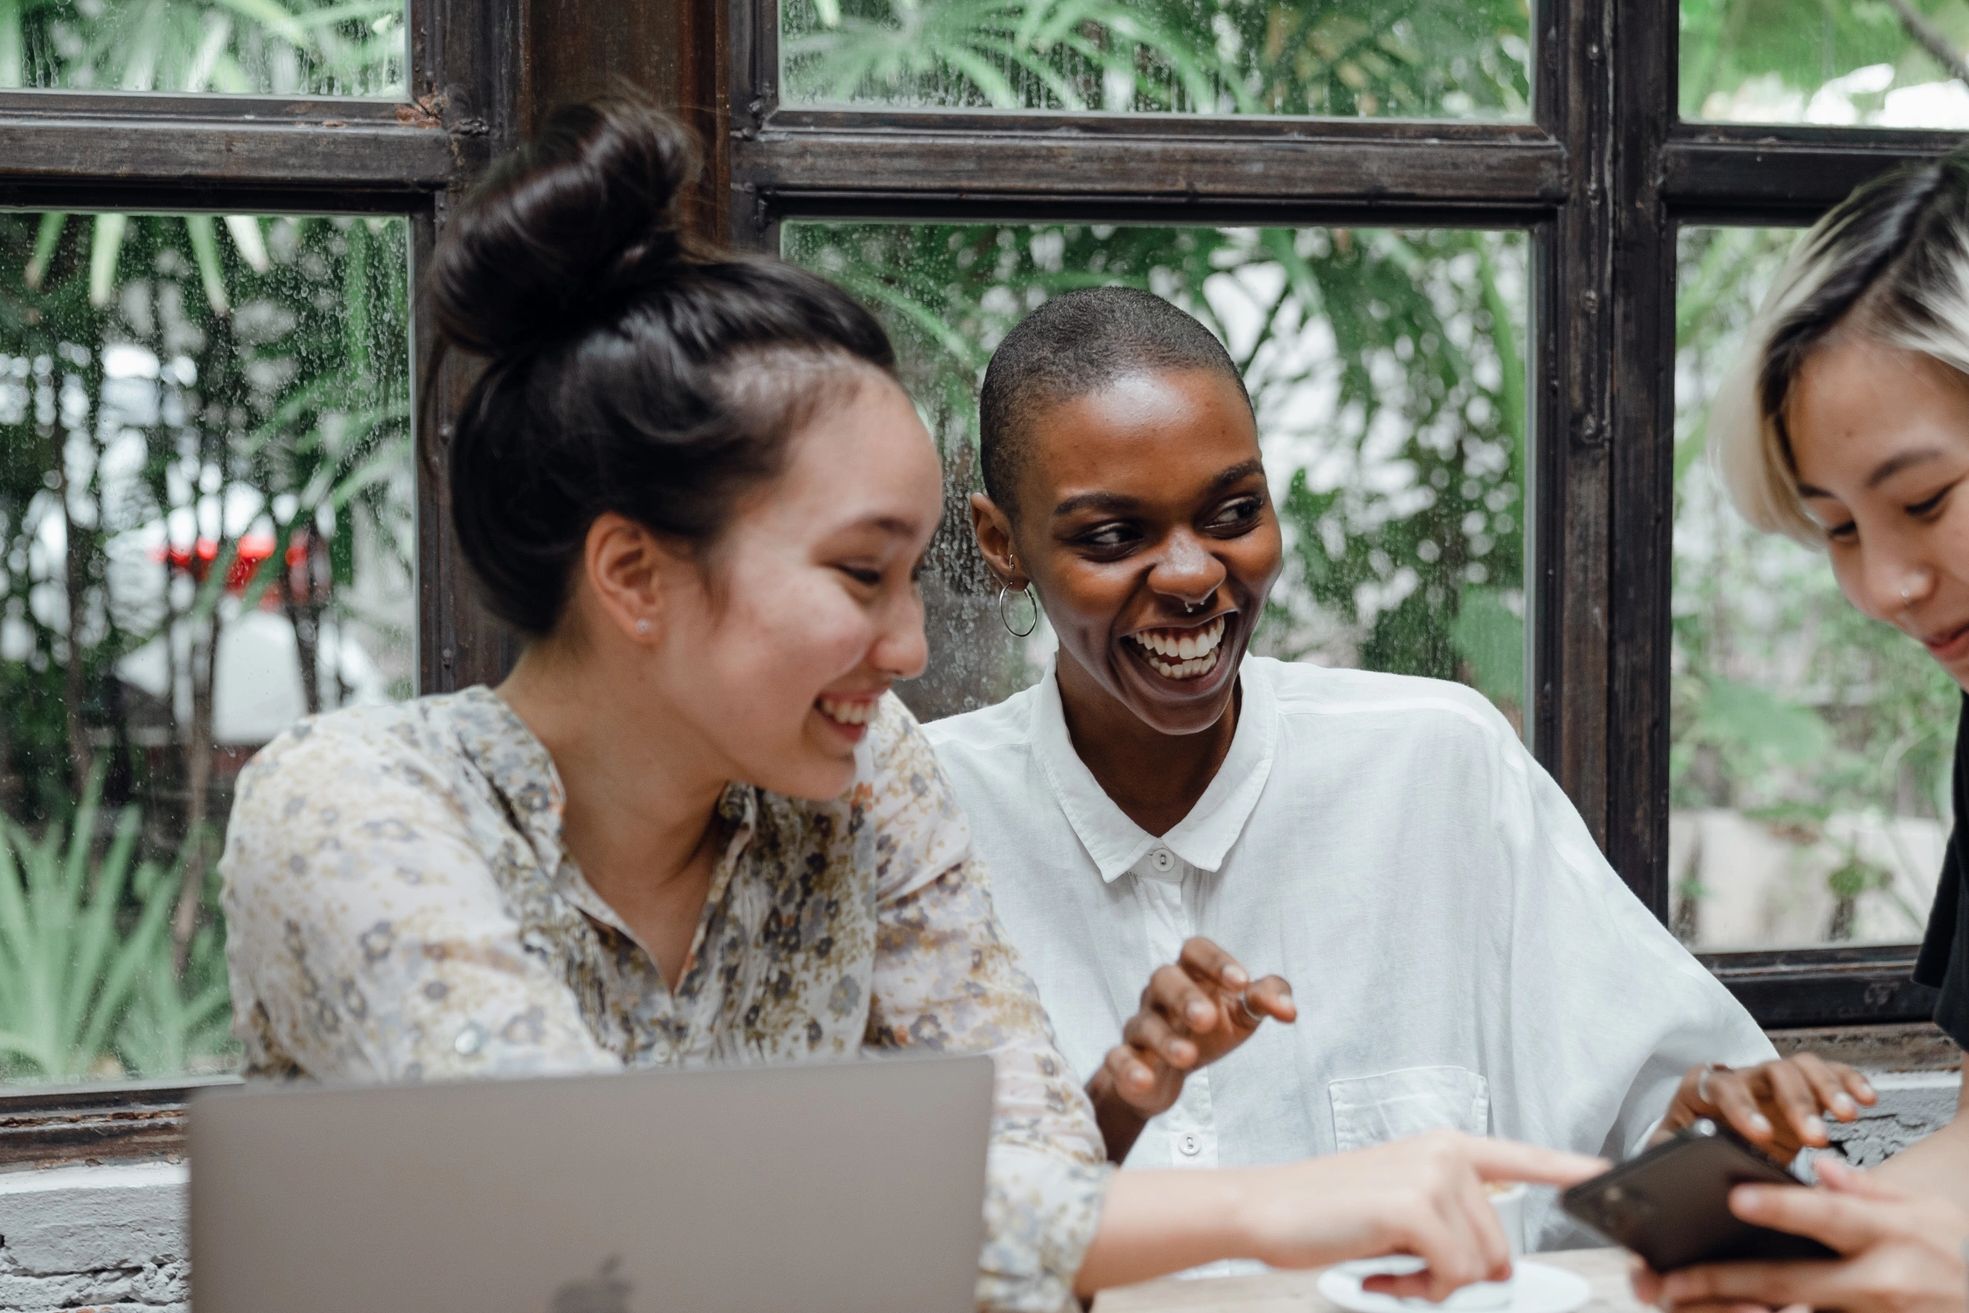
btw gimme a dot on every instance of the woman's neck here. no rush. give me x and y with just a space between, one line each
641 813
1155 778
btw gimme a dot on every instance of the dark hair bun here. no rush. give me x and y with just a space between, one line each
566 229
632 371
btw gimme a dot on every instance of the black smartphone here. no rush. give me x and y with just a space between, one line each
1671 1203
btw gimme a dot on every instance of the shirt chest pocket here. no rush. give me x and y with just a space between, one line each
1369 1110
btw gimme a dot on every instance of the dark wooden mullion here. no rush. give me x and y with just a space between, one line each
749 71
1642 63
1825 986
142 105
1781 176
248 197
178 152
465 58
1160 127
905 174
1572 313
1154 211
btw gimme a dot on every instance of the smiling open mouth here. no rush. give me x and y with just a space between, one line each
852 712
1182 653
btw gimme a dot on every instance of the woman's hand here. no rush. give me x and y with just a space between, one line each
1423 1196
1899 1253
1778 1106
1192 1013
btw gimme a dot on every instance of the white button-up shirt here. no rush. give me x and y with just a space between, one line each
1461 953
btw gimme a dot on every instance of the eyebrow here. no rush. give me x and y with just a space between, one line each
1886 470
894 525
1118 503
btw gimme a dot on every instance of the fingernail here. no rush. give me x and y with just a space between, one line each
1234 977
1866 1088
1814 1128
1760 1124
1199 1012
1843 1105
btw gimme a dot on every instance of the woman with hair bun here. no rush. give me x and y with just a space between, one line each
1846 426
693 825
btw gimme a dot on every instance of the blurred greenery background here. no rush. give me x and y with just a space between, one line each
184 400
206 501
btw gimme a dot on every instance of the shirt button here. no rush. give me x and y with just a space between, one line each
1189 1145
470 1040
1162 860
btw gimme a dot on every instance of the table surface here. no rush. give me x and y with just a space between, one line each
1605 1271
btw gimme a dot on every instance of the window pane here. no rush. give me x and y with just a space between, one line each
1460 59
206 531
1388 373
1811 748
261 47
1896 64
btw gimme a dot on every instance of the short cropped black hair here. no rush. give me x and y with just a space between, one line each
1077 344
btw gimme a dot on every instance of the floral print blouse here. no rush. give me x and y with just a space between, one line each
400 906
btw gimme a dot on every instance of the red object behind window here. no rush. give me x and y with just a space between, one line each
254 550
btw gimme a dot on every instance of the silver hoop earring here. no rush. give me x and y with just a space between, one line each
1005 617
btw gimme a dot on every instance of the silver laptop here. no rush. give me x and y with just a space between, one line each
850 1188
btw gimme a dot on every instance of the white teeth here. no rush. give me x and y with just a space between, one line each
1183 654
858 712
1185 646
1190 669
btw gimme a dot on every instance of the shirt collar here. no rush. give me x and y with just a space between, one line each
1204 837
517 765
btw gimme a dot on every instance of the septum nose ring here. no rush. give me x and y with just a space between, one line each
1191 608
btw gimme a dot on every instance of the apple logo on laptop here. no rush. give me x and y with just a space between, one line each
605 1292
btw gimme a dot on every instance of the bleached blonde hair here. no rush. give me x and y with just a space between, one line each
1890 264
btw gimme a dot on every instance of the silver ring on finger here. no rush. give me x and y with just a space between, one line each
1244 1006
1702 1082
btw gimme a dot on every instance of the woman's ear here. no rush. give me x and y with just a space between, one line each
626 567
993 530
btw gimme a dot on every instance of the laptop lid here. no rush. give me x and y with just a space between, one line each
844 1188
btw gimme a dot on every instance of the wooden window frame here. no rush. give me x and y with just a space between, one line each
1600 179
478 72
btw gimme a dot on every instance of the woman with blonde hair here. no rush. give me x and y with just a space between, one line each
1847 427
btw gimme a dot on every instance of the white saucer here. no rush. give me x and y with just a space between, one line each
1535 1288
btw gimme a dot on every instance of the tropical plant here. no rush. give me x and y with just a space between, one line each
265 47
1790 50
1413 57
88 987
174 391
